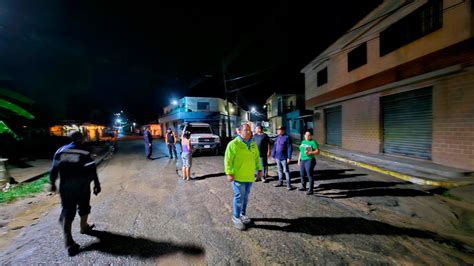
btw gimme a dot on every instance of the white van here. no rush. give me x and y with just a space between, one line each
202 137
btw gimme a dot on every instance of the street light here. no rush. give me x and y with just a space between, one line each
253 110
174 102
118 120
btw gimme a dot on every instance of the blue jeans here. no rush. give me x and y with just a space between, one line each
308 167
172 149
241 197
264 164
283 168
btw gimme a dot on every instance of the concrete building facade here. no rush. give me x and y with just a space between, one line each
200 109
278 105
401 83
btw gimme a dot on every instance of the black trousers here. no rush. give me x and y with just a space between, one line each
75 197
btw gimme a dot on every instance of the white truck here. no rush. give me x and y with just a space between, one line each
202 137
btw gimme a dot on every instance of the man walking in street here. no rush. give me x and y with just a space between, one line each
77 170
170 139
263 144
281 153
241 160
148 142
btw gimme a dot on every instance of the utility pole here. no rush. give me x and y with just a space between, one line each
229 132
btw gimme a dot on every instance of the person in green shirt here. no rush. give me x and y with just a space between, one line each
309 148
241 160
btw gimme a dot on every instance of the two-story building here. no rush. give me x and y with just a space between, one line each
288 110
400 82
200 109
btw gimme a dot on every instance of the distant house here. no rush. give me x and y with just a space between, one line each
155 130
200 109
288 110
91 132
399 82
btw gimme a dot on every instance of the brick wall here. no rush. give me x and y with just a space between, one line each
453 121
360 124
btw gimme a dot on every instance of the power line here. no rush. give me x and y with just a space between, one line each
251 74
244 87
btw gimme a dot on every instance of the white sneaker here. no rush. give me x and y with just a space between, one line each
238 223
245 219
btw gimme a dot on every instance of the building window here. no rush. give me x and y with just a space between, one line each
280 105
322 76
203 106
357 57
426 19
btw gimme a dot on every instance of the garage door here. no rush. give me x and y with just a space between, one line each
407 120
333 125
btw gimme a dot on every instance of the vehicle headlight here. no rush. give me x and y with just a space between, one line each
194 140
217 140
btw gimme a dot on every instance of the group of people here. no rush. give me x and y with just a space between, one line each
246 161
171 140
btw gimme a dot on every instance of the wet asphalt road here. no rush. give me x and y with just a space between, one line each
147 214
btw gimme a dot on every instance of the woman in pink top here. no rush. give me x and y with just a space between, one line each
186 155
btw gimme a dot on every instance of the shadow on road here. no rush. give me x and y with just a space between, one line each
358 185
208 176
159 157
326 175
123 245
321 226
378 192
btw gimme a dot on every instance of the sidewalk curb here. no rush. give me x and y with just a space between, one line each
412 179
97 161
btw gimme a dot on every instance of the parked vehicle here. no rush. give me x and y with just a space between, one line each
202 137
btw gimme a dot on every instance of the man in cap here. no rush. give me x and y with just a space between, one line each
281 153
77 170
170 140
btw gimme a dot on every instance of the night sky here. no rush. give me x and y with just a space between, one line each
84 60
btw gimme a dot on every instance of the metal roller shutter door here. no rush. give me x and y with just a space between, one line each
407 120
333 126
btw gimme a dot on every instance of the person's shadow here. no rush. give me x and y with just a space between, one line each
322 226
123 245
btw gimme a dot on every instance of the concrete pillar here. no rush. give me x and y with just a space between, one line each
4 174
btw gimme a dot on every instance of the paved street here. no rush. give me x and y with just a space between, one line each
146 214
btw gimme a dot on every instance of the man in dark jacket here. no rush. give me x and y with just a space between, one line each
281 153
148 142
263 143
171 140
77 170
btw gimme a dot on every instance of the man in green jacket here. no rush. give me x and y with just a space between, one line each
241 160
